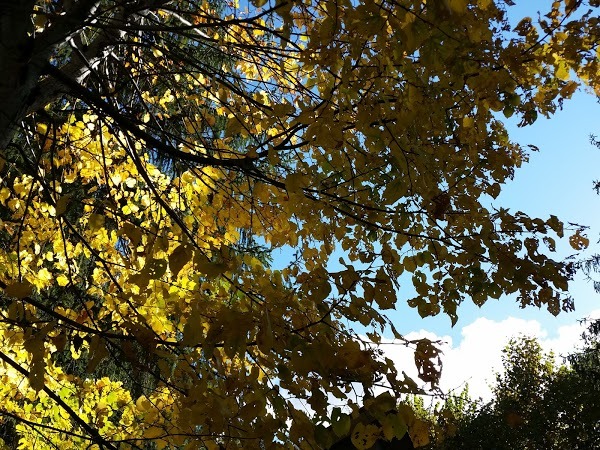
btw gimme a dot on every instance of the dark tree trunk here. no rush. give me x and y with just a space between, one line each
18 76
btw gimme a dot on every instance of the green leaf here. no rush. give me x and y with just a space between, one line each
341 426
393 426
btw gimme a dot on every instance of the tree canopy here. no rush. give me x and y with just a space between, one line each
536 403
155 152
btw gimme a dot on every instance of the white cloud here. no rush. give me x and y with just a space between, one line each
478 355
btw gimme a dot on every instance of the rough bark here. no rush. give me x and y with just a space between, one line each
24 57
18 74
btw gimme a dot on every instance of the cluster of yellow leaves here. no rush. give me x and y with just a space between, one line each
34 400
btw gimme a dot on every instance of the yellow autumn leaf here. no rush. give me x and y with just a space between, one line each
62 280
459 6
578 241
562 70
419 433
364 436
179 258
